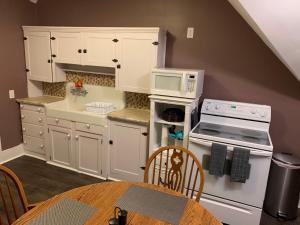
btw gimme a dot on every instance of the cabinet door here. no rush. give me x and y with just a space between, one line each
138 56
66 47
88 152
127 152
61 145
38 54
99 49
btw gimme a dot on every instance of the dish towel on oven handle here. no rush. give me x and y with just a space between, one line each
217 159
240 166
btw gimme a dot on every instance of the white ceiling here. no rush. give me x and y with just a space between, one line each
277 22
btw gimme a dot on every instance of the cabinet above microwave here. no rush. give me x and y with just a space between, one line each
131 52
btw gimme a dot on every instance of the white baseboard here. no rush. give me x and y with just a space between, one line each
75 170
11 153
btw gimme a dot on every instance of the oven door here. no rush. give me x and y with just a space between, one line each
252 192
171 84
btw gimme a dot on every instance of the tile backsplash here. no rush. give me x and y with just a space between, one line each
133 100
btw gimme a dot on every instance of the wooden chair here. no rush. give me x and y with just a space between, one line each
13 201
176 168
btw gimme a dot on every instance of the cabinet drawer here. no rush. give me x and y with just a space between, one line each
32 117
86 127
59 122
33 130
34 108
34 144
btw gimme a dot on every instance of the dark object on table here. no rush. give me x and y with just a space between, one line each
173 115
120 217
282 194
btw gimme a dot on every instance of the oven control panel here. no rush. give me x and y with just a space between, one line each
237 110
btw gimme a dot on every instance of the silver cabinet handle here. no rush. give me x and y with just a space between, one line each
76 137
88 126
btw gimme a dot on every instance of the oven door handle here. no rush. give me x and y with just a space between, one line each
230 148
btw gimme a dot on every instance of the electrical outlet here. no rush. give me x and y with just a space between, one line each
11 94
190 32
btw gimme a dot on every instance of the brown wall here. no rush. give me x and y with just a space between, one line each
13 14
239 66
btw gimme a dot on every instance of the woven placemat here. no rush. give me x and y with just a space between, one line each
65 212
154 204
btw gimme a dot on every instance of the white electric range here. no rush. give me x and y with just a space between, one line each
242 125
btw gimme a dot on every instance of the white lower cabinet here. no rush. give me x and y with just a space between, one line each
88 152
128 151
60 141
77 146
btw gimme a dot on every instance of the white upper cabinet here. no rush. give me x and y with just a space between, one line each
133 52
38 56
99 49
66 47
138 55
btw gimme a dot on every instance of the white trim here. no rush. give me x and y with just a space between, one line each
31 154
93 29
11 153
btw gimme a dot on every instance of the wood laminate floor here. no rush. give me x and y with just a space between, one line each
42 181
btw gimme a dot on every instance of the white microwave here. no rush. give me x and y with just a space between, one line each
181 83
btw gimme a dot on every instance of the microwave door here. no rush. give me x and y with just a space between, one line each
168 82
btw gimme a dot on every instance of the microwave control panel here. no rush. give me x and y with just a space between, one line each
191 80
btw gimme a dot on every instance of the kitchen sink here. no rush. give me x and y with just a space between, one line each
73 107
65 110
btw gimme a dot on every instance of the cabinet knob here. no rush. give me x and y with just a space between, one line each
53 55
22 116
115 40
76 137
84 50
145 133
24 129
39 109
79 51
88 126
40 120
42 146
56 120
22 106
111 142
41 133
115 60
118 66
69 136
25 142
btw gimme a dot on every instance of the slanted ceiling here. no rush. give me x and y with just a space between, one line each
277 22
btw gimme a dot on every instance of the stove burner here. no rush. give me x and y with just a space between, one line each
210 131
249 138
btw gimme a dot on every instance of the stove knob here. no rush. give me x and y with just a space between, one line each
207 107
263 114
253 111
217 107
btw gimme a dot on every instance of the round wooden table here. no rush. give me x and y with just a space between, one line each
103 197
